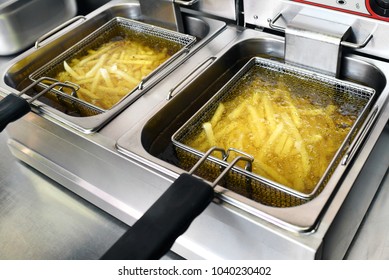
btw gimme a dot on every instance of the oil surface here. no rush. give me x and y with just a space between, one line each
113 66
291 125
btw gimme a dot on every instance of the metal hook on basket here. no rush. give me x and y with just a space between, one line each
55 83
249 164
249 159
14 106
76 87
272 23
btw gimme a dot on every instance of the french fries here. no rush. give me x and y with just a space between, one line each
117 67
209 133
292 140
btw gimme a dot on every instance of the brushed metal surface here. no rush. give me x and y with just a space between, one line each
371 241
257 13
42 220
125 185
305 34
164 12
39 219
23 22
68 220
220 8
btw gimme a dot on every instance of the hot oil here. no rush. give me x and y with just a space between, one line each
292 126
114 64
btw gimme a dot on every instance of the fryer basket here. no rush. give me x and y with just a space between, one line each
71 105
249 184
115 27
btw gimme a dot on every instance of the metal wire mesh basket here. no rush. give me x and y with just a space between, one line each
351 99
115 29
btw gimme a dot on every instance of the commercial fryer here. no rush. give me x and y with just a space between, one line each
122 166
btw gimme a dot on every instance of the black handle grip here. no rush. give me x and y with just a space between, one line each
12 107
154 233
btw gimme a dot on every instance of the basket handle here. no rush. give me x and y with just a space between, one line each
57 29
155 232
165 68
12 108
201 65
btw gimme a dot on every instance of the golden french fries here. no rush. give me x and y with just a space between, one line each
292 140
117 67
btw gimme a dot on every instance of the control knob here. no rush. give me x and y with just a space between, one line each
380 7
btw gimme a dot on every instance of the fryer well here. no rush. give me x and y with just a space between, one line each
354 99
113 30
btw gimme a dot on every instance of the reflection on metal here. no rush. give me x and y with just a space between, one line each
163 12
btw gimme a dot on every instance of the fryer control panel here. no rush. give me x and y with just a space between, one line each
376 9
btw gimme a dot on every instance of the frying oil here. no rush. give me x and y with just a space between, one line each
291 125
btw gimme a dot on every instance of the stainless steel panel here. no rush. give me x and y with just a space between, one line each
220 8
371 241
164 12
258 12
39 219
23 22
315 44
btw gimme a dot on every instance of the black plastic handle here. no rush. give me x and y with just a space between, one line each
154 233
12 107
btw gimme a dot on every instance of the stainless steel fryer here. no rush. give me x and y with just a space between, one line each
357 100
119 167
65 39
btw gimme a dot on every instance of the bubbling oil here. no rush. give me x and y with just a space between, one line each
115 65
292 126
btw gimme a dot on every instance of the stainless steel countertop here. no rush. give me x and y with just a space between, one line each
40 219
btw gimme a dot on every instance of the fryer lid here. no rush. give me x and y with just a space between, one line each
249 184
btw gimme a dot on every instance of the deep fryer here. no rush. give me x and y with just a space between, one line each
131 148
